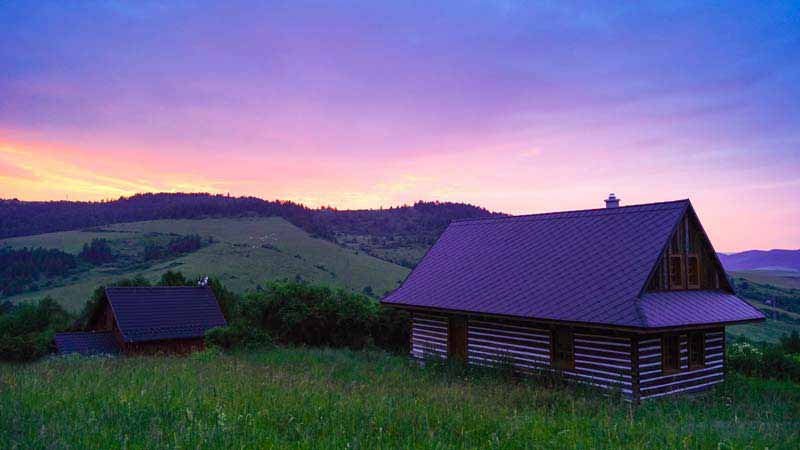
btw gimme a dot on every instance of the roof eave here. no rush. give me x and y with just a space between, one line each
607 326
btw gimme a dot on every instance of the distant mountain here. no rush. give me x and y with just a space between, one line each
399 234
762 259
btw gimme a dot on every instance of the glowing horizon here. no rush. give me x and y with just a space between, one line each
509 107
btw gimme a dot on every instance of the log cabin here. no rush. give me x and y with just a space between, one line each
631 299
146 320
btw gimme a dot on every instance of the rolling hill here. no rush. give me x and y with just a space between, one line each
398 234
782 260
244 253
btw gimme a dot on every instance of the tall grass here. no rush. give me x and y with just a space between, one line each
305 398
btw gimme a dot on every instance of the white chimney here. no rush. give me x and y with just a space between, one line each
612 201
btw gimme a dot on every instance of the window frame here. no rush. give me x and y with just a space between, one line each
692 351
697 271
665 369
557 338
681 282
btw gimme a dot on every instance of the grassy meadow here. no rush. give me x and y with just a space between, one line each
245 253
782 278
312 398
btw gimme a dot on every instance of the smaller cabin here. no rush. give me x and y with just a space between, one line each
136 320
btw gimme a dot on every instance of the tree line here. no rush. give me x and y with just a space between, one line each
420 223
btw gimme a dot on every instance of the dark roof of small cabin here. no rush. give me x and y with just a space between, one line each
586 266
88 343
155 313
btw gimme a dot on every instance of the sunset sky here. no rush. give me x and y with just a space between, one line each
516 108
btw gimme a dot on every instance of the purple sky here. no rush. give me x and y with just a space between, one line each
515 107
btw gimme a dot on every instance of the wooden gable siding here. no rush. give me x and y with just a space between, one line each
688 241
653 382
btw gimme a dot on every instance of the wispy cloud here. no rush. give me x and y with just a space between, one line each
516 107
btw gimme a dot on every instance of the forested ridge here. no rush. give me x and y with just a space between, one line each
419 223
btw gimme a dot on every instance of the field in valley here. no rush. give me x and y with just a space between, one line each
312 398
764 283
245 253
782 278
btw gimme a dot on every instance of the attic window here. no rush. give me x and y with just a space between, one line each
693 271
676 272
563 352
670 354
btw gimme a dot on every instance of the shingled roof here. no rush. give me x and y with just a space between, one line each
586 266
154 313
89 343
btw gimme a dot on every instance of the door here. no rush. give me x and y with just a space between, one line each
457 339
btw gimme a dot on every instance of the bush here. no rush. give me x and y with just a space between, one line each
237 336
299 313
764 361
791 342
26 333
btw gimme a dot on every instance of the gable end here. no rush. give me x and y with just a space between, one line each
688 260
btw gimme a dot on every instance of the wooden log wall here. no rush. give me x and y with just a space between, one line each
428 336
601 360
524 346
653 383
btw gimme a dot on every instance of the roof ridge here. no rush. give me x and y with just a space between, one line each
568 214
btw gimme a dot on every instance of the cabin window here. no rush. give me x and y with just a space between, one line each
697 350
675 272
693 271
670 354
563 349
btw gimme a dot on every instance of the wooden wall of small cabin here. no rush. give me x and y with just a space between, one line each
688 262
104 320
655 380
167 346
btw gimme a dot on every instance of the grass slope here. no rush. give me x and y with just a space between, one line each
779 321
781 278
301 398
246 253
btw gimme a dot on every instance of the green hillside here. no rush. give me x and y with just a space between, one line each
781 278
777 286
244 254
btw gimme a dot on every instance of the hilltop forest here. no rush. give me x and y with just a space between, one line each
417 225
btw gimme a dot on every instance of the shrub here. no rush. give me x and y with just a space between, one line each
392 330
26 332
745 357
237 336
765 361
791 342
320 316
